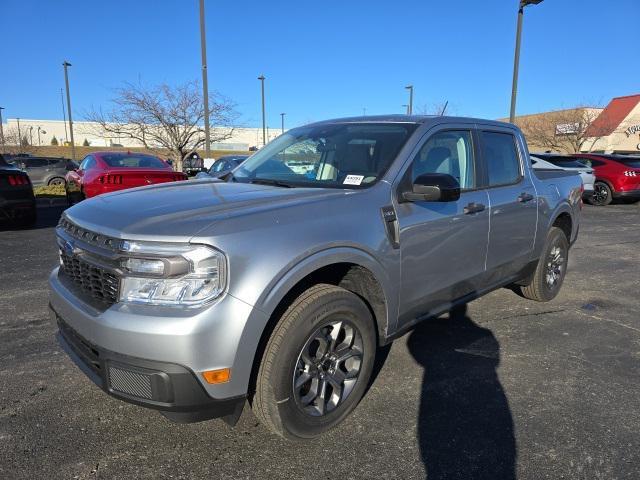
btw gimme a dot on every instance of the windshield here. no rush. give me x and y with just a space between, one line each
345 155
133 161
633 162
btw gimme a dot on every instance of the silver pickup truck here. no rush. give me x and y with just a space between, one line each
278 284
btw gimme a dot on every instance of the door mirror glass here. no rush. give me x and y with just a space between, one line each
433 187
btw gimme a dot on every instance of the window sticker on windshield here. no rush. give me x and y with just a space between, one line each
353 180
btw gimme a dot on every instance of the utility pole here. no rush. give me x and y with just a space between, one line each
66 64
282 115
64 116
410 106
19 135
205 83
516 60
264 124
1 130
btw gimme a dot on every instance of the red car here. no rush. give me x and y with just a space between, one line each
617 176
103 172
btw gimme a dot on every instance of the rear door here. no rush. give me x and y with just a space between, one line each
513 202
443 245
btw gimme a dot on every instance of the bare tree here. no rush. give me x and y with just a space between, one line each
568 130
435 108
165 117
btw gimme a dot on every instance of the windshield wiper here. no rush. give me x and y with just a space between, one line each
270 181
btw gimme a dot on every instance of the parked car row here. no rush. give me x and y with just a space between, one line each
616 176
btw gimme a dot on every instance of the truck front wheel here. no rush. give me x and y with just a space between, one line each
317 363
551 269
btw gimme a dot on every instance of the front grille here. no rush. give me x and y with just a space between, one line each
129 382
93 280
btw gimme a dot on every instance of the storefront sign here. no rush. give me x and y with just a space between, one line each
632 129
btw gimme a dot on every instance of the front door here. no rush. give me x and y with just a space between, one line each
443 245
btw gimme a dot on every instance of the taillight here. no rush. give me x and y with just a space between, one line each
110 179
15 180
631 173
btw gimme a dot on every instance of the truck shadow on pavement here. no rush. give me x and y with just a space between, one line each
465 427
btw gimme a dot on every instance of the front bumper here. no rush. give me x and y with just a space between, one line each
198 339
170 388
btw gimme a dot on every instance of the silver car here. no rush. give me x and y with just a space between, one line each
587 174
279 284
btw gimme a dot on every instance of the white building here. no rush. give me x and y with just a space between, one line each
41 132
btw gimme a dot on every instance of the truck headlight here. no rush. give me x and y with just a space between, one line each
194 274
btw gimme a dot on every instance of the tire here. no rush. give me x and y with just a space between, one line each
321 317
602 194
551 269
56 181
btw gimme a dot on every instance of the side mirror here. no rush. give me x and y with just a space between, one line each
433 187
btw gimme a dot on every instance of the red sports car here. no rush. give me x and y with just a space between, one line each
103 172
617 176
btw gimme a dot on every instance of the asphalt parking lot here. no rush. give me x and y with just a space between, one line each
507 389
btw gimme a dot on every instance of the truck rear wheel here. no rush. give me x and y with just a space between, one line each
551 269
317 363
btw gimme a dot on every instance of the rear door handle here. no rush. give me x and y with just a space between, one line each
473 207
525 197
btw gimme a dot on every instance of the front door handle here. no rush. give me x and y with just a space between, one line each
525 197
473 207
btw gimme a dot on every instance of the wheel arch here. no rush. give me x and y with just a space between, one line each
348 268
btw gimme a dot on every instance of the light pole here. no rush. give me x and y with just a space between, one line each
205 83
43 132
516 60
64 116
264 125
66 64
1 130
19 135
410 106
282 116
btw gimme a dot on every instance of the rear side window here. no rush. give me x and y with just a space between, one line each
501 157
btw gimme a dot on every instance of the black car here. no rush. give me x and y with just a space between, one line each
193 164
223 165
17 202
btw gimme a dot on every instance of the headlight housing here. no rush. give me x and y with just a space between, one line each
172 274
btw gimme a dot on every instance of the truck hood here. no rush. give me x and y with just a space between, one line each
177 211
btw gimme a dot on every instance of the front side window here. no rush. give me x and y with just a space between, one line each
341 155
449 152
501 157
84 165
36 162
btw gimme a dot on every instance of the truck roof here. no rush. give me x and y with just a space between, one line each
399 118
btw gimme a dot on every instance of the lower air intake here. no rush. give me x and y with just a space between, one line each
131 383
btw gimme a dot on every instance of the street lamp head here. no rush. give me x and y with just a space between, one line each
524 3
409 87
66 64
262 77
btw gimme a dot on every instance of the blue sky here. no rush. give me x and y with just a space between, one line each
321 59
